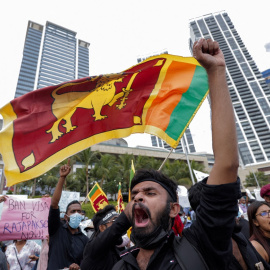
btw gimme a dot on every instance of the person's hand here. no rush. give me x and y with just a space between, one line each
3 198
65 169
74 266
208 54
45 196
33 258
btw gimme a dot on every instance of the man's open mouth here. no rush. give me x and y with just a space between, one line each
141 217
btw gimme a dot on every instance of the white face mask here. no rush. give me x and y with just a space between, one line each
75 220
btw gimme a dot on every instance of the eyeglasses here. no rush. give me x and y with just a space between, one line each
264 213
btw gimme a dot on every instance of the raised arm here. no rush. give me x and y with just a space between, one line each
209 55
64 171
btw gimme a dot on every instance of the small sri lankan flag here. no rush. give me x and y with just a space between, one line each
132 172
159 96
120 202
97 198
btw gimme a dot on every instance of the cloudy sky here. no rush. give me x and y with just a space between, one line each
121 30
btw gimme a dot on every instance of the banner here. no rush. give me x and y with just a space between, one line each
66 198
159 96
183 196
200 175
257 193
97 198
24 219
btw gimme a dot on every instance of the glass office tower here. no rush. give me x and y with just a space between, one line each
186 141
249 93
51 55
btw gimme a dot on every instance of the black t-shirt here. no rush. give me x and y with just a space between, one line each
210 233
65 248
101 253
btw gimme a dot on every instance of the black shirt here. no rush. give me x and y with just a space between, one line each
100 253
65 248
210 233
248 252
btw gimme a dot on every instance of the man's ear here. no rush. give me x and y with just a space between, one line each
66 217
175 209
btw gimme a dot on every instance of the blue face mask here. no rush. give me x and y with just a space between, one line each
75 220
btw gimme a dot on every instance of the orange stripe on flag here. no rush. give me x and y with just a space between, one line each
95 195
170 94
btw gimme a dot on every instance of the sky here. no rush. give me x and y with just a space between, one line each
120 31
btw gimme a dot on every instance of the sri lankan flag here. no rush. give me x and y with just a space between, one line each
159 96
120 202
132 172
97 198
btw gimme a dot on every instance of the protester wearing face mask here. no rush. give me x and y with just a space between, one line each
67 241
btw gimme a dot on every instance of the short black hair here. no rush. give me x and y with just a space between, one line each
157 175
101 214
194 195
72 202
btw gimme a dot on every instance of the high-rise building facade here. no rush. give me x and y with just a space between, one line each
266 76
249 93
186 144
51 55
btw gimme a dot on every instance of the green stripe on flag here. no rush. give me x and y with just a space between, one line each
188 104
92 192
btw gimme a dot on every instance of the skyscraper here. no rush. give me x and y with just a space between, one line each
51 55
249 93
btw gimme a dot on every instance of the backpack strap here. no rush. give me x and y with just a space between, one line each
187 255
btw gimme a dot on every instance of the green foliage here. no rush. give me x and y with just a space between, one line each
261 178
108 170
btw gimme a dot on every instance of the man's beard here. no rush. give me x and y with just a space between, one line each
162 222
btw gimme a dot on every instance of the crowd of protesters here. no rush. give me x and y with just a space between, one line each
222 230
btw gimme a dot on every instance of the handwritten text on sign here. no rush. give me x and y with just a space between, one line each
24 219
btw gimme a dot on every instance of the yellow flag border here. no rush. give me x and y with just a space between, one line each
12 170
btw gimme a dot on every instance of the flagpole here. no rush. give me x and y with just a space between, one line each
189 167
161 166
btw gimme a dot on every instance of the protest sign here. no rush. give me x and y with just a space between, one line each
11 196
24 219
258 195
66 198
183 196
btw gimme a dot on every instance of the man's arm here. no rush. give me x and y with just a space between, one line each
64 171
209 55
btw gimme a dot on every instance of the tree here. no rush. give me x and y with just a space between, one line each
48 180
124 162
261 178
88 159
104 166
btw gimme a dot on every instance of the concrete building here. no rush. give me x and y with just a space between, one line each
52 54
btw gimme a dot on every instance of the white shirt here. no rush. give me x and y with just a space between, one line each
30 248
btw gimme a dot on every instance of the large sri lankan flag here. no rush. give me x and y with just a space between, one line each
159 96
